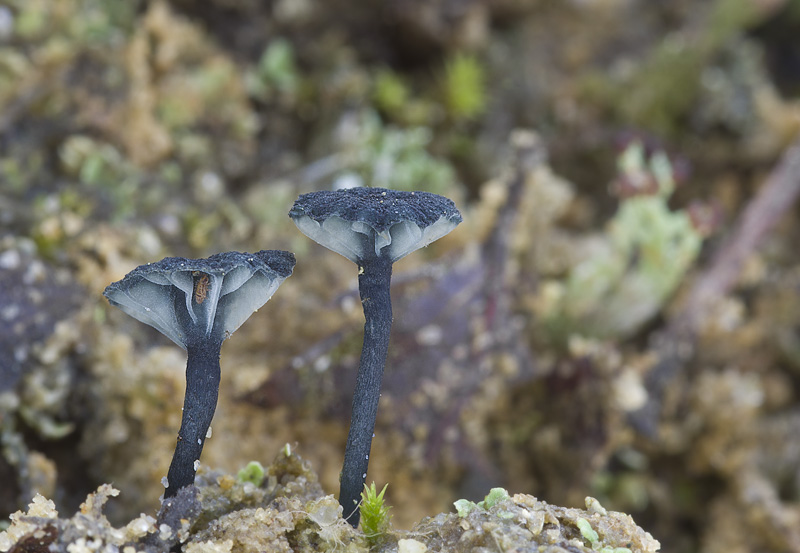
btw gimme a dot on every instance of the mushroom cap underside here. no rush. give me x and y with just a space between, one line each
201 299
361 222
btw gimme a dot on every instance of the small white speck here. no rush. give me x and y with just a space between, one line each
10 312
20 354
165 482
199 442
208 433
164 532
196 464
364 475
366 456
322 363
147 309
373 434
10 259
429 335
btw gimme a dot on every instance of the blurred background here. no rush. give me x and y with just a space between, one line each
618 315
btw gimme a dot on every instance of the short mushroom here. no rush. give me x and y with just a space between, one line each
372 227
198 303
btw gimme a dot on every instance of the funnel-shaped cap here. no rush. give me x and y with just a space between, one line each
193 300
361 223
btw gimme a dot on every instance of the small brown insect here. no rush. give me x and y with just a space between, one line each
201 289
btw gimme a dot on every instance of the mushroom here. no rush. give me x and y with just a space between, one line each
372 227
198 303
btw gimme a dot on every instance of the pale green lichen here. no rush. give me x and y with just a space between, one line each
495 496
390 157
629 272
464 506
276 72
588 533
253 473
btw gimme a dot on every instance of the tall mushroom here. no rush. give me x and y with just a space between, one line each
198 303
372 227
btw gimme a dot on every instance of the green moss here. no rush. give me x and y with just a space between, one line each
464 87
390 92
375 517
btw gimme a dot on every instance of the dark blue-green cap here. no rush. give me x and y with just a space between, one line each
360 223
200 299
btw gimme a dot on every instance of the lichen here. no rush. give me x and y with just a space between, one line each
374 154
521 519
624 277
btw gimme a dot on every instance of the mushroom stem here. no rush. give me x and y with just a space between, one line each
199 403
374 278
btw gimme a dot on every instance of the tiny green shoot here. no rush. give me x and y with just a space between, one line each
375 515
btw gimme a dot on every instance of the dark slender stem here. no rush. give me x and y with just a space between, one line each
373 283
199 403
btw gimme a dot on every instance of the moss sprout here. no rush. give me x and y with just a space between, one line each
375 517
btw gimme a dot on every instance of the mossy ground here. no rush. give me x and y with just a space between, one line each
288 512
